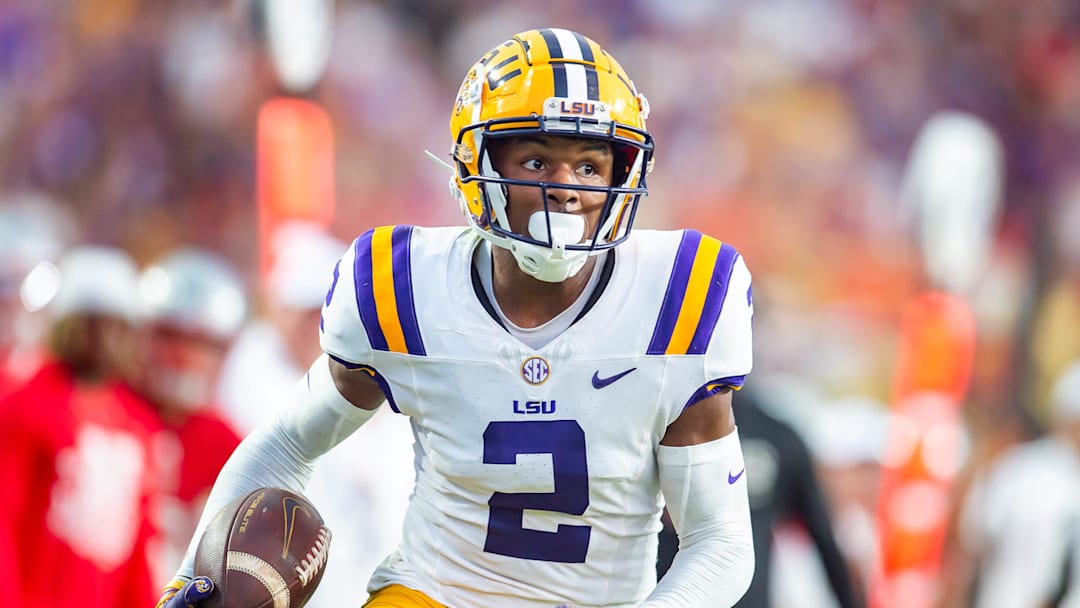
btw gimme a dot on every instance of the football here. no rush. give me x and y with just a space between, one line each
265 550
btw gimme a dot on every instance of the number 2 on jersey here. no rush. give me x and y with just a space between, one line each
565 441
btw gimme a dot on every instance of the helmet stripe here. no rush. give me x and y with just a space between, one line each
576 81
569 45
561 86
575 77
552 41
586 48
494 84
592 84
495 81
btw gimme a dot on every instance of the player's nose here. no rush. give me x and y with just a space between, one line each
559 199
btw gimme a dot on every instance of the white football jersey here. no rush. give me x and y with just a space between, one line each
536 470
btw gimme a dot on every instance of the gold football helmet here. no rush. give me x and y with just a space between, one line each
552 82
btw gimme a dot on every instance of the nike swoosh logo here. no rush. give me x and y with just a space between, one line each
598 382
290 506
733 478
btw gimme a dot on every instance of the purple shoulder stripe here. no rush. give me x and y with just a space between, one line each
714 299
403 288
365 291
676 291
384 290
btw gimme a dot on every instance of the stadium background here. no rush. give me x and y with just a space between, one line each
782 127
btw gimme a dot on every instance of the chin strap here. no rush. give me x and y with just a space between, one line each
552 264
548 265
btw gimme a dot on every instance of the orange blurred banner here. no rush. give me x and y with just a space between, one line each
925 447
937 347
294 168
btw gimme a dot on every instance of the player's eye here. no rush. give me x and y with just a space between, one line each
534 164
588 170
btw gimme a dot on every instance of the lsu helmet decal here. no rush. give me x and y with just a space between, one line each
553 82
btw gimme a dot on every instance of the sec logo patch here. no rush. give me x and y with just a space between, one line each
535 370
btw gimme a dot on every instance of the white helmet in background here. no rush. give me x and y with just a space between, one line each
193 305
92 302
94 279
194 291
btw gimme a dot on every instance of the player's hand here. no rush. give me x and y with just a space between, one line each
182 593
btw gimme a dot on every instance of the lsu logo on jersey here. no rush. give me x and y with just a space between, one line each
534 407
535 370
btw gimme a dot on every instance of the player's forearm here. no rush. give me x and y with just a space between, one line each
264 458
711 571
705 488
283 450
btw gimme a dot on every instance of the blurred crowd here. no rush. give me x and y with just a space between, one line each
127 146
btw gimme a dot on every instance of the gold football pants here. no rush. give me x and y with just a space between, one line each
396 596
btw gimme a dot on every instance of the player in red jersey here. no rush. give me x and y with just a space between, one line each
192 307
76 462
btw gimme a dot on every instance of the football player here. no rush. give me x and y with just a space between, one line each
192 306
76 461
564 376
